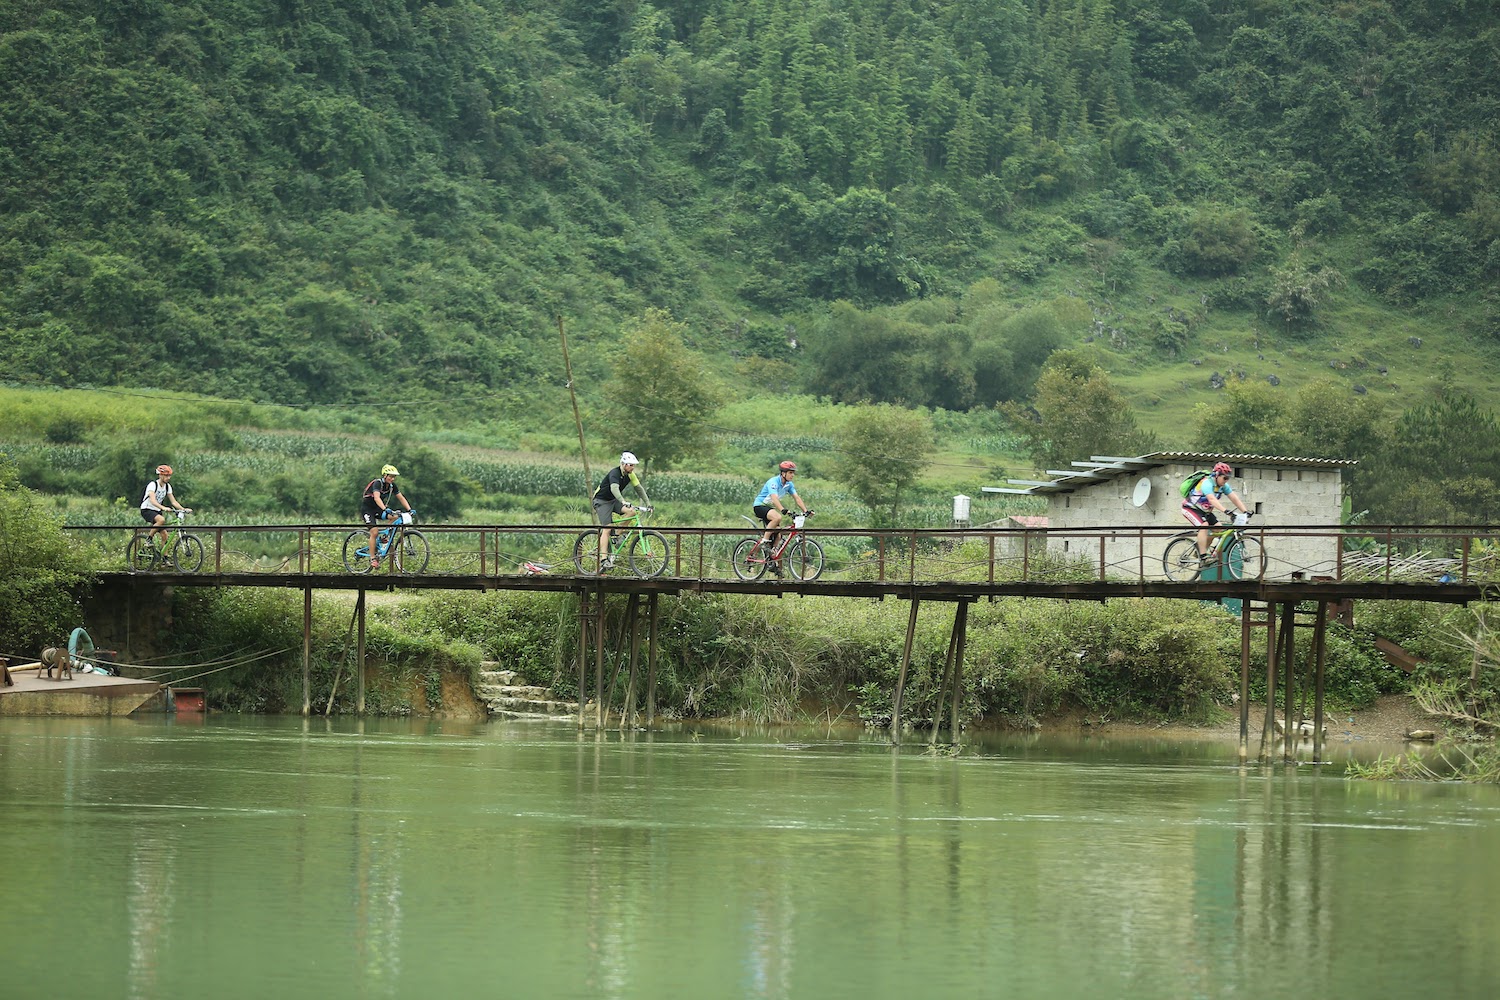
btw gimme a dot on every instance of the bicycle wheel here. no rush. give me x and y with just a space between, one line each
1180 561
803 559
411 552
748 560
140 557
586 554
187 554
648 554
357 552
1244 559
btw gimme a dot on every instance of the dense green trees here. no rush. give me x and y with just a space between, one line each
228 198
1076 413
38 577
661 398
883 449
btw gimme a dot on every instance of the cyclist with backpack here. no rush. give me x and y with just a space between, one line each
1201 499
154 504
376 504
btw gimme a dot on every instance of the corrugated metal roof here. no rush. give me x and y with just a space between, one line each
1102 468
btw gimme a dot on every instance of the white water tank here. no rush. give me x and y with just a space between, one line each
960 509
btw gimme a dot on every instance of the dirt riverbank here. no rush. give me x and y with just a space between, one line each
1387 721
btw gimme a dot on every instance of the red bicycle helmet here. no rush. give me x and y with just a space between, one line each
1223 469
788 466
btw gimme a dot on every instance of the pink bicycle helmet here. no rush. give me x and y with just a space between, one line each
1223 469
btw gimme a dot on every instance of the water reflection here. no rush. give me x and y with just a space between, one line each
387 858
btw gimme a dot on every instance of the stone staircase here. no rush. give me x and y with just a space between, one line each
507 699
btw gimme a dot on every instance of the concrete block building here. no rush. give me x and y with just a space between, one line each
1143 492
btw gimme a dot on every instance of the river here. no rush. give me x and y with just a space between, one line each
254 857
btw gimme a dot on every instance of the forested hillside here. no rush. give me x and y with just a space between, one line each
865 200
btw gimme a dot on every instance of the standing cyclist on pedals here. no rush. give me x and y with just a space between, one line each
768 505
609 500
154 504
1203 500
376 503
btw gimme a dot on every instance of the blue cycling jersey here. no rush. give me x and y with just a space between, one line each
776 486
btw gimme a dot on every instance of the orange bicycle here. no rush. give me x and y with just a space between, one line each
791 548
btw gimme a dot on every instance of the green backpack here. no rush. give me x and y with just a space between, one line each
1193 480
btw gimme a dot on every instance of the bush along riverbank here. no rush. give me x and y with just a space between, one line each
749 658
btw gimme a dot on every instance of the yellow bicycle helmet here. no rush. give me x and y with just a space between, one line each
389 470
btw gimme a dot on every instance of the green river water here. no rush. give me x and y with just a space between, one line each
274 857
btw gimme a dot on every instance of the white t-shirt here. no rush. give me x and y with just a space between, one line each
156 495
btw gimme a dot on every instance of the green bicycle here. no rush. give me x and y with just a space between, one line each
646 548
184 553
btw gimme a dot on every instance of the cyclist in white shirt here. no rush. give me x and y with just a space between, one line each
154 504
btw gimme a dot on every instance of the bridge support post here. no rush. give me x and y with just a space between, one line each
1268 729
359 656
599 661
942 691
1319 652
1244 680
581 656
632 613
651 606
911 629
961 627
1289 731
306 652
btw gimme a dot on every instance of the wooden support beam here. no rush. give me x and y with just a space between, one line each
1268 729
1319 651
937 705
632 614
599 660
651 606
359 656
961 626
583 651
1289 660
911 630
1244 680
306 652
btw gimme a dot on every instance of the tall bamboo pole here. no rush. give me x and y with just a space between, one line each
588 477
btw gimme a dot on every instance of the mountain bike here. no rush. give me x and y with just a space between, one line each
647 549
184 552
401 546
1232 555
790 547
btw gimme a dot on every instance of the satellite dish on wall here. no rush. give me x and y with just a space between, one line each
1142 492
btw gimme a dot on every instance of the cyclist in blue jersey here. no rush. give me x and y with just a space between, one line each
1203 499
768 502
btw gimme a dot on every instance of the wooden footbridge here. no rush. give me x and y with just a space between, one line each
1317 568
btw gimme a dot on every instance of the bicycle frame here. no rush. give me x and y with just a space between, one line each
179 547
388 537
754 555
630 541
622 530
1182 562
782 537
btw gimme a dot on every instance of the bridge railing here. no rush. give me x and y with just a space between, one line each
1382 553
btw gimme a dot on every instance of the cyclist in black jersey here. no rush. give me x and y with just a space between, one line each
609 501
374 504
